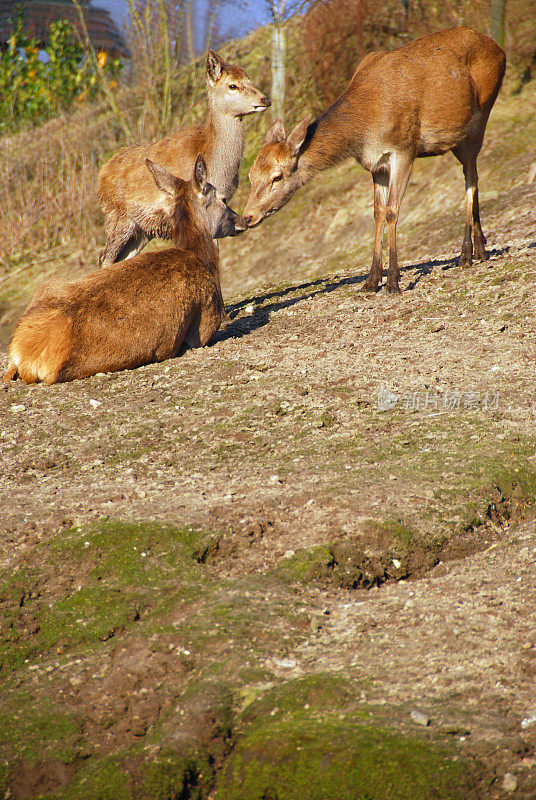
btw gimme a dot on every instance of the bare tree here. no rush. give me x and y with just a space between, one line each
280 12
498 9
163 36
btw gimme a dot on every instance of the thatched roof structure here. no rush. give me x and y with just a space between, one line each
38 14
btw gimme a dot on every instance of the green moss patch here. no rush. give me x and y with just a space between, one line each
311 738
342 759
93 582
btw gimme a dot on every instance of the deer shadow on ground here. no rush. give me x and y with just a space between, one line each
286 298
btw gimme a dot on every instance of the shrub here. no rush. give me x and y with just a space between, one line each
34 88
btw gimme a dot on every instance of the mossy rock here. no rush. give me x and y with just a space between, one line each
395 551
307 564
339 759
517 484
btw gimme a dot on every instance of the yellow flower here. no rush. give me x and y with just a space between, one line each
102 58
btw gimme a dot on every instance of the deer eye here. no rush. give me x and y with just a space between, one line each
233 86
277 178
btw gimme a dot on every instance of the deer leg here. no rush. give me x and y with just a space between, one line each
480 240
466 255
467 155
118 235
225 318
124 240
134 245
372 284
399 177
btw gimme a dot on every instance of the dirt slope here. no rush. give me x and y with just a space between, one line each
359 473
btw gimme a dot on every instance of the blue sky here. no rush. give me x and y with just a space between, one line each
239 20
117 8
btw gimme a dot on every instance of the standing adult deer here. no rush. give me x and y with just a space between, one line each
427 97
137 311
126 192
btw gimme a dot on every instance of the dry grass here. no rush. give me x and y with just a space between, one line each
47 180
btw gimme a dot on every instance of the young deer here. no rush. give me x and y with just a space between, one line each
126 192
137 311
427 97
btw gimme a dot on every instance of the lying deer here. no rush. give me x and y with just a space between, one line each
127 193
424 99
137 311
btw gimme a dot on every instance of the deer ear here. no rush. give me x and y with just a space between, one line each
275 133
200 174
215 66
165 181
297 136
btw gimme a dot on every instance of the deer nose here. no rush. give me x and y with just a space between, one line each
266 101
248 218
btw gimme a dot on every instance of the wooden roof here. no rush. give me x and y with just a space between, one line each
38 14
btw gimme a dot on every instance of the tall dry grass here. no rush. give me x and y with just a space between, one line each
48 175
337 33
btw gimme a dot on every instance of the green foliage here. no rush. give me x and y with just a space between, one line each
34 88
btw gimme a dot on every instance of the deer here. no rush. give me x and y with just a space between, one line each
426 98
137 311
125 190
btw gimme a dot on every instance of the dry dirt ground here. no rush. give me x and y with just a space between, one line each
351 480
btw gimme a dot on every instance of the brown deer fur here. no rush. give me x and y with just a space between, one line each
424 99
137 311
126 192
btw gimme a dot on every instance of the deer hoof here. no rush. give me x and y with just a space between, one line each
465 260
370 287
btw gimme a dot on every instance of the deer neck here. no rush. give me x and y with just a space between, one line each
332 137
191 234
224 150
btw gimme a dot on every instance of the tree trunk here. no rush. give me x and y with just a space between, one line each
279 58
497 20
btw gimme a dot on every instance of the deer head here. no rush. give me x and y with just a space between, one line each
275 174
230 91
196 201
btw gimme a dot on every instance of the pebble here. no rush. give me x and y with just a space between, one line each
16 408
285 663
341 218
419 718
95 403
526 722
509 782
